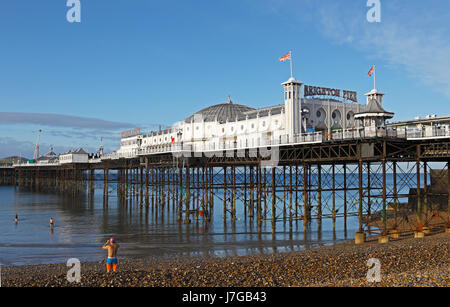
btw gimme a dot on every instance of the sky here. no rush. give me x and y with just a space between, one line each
145 63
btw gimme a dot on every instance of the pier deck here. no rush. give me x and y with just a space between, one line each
297 181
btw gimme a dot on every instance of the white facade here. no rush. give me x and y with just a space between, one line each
230 125
74 156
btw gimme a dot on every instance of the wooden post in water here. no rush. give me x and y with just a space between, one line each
188 194
306 207
252 199
180 195
245 193
284 196
319 199
266 191
333 209
394 187
383 162
146 182
290 199
425 195
141 186
274 201
225 194
419 195
448 196
360 196
233 195
259 203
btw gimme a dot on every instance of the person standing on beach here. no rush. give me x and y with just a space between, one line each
112 248
16 219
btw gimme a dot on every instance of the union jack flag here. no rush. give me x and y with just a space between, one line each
285 57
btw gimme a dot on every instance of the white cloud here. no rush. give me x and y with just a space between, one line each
59 120
413 38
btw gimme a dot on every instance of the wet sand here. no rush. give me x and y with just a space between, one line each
404 262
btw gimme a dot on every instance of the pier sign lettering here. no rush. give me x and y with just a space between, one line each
323 91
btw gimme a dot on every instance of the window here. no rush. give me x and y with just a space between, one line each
263 123
253 126
242 127
333 115
319 114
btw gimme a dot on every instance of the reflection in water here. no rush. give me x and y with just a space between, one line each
85 222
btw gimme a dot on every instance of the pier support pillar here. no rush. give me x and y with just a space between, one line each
419 234
419 196
360 191
274 200
360 238
448 197
187 219
394 234
383 239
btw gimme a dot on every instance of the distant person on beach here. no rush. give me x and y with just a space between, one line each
16 219
112 248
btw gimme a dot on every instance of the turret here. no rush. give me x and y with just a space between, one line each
292 107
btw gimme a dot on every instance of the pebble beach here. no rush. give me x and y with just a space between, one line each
405 262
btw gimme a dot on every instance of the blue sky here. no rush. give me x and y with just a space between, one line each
147 63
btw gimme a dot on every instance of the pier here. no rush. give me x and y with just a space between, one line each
314 177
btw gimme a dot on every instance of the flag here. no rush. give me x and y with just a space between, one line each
371 71
285 57
173 140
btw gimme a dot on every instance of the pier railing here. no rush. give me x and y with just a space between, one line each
428 133
307 138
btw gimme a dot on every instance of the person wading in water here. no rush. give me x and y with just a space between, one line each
112 248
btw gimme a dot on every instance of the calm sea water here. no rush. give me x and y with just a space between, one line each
82 226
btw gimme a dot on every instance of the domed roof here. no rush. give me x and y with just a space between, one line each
220 112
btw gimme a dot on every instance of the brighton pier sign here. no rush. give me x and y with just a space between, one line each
323 91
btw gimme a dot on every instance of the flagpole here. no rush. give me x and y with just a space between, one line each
291 63
374 77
